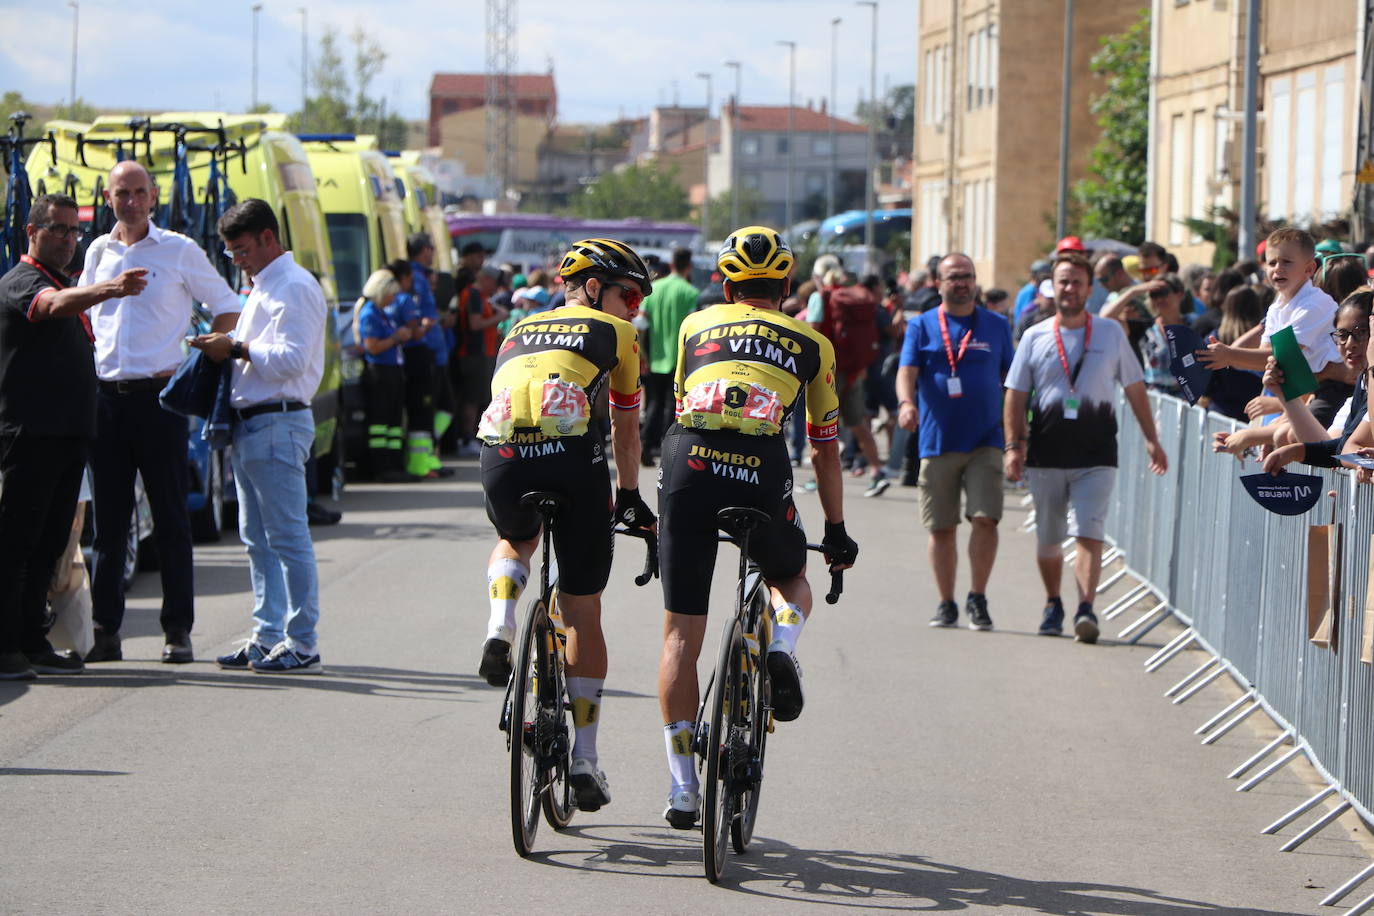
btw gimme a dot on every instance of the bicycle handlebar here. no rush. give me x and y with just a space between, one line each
836 578
650 552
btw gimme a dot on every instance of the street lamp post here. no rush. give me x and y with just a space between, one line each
305 60
257 8
791 127
76 14
706 164
734 148
869 202
834 156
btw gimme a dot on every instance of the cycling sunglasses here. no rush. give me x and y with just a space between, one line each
631 295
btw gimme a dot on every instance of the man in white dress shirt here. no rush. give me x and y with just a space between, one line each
137 346
278 354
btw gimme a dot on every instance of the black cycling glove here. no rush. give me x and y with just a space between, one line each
631 510
840 548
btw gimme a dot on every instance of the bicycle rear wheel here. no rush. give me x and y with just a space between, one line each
754 703
558 798
528 735
719 796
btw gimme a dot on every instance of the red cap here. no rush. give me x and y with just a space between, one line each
1259 249
1070 243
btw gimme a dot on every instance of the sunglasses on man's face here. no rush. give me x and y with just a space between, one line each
630 294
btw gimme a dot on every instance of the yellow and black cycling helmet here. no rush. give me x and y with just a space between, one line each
755 253
608 257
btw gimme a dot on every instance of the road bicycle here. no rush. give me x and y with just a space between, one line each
14 147
536 715
735 716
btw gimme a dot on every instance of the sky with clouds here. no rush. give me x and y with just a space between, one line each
610 57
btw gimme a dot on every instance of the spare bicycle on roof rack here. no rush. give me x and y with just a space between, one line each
14 147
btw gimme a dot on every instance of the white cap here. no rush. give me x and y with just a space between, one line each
1047 289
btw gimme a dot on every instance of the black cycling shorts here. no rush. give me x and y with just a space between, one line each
704 471
573 467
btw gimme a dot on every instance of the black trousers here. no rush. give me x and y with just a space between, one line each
659 407
41 482
419 368
134 435
386 404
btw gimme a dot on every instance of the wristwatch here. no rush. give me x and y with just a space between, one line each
236 351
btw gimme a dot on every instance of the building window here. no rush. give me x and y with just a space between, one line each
815 182
990 65
782 146
821 146
750 180
1278 118
1197 205
1178 182
1305 146
971 72
1333 141
749 146
967 218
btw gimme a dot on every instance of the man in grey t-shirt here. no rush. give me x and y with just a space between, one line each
1073 365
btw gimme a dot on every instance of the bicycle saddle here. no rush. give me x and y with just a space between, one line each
545 502
737 519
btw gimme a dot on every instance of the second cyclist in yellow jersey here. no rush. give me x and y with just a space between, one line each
536 436
741 366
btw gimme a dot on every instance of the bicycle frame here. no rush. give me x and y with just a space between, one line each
18 191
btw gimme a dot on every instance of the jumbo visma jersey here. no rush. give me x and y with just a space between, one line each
741 367
550 368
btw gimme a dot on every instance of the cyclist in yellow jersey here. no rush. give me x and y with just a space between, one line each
536 436
741 365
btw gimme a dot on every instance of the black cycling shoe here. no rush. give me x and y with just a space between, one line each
495 665
785 676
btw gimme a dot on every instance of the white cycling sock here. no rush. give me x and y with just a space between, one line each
788 621
585 694
677 738
506 579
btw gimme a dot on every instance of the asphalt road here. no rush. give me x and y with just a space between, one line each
932 769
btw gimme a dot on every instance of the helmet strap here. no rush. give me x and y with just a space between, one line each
601 291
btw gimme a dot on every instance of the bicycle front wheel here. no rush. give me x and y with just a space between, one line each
719 796
528 736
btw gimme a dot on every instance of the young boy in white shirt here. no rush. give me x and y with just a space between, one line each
1289 265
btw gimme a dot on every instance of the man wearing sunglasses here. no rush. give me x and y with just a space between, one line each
47 420
537 434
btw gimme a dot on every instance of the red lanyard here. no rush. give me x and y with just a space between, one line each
60 284
949 347
1064 357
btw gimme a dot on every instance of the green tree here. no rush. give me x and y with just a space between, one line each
13 101
1112 197
342 103
718 223
644 191
76 111
894 120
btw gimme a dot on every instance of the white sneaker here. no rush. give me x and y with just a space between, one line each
684 809
588 785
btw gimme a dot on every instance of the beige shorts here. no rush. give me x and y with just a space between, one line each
852 410
977 473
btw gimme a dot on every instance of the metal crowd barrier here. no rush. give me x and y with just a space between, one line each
1236 577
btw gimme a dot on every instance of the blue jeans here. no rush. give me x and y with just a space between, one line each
270 451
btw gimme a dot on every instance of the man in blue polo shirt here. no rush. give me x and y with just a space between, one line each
956 356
